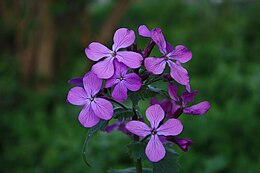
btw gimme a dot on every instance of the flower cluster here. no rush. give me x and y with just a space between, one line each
126 69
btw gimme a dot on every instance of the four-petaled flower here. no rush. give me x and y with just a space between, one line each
104 69
122 82
95 108
157 65
155 150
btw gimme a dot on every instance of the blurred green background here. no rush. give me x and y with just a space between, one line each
42 46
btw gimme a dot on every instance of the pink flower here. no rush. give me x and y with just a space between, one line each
155 150
157 65
95 108
123 82
104 69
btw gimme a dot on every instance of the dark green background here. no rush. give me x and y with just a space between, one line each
40 132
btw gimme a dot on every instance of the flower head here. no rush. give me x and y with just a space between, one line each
95 108
104 69
123 82
155 150
157 65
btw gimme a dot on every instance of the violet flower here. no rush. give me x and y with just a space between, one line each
104 69
186 97
155 150
95 108
157 65
183 143
76 81
123 82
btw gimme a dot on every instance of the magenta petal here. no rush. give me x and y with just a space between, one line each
173 90
169 47
119 92
158 38
132 81
130 59
167 106
181 54
102 108
171 127
95 51
155 115
198 109
183 143
155 150
77 96
188 97
92 84
154 101
111 82
120 69
155 65
123 38
179 73
138 128
144 31
104 69
76 81
87 117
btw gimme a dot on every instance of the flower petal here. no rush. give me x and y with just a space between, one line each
95 51
154 65
181 54
154 101
155 150
119 92
171 127
102 108
104 69
158 38
155 115
183 143
188 97
138 128
123 38
76 81
120 69
173 90
111 82
92 84
198 109
77 96
132 81
87 117
130 59
144 31
178 73
169 47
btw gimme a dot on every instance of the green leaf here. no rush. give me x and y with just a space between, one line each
131 170
91 132
146 91
136 150
169 164
123 113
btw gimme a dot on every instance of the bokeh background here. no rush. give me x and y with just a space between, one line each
42 46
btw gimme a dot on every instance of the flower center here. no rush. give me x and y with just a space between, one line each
121 78
153 132
113 54
166 58
91 99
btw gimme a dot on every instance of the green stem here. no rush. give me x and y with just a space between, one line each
120 104
136 138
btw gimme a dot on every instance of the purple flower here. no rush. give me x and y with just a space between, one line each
155 150
123 82
120 126
95 108
157 65
184 144
197 109
105 69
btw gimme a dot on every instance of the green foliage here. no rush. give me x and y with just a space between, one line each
169 164
101 125
131 170
122 113
136 150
